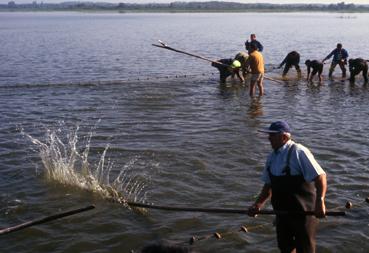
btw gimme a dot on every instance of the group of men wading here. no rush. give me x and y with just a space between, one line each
253 62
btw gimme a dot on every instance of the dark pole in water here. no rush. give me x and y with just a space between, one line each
229 211
44 220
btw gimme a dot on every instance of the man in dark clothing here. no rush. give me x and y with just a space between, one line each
292 59
242 58
296 183
224 71
340 56
317 67
356 66
228 67
253 40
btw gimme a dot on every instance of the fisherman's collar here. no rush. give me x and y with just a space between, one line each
283 147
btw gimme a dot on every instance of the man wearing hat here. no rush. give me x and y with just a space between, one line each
296 183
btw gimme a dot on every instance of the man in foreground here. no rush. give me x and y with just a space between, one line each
296 183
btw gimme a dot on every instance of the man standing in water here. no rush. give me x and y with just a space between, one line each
340 56
256 63
296 183
253 41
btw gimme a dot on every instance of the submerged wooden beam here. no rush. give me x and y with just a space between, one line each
44 220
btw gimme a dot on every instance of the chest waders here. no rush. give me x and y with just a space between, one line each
292 193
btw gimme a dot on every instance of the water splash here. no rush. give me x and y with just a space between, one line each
65 163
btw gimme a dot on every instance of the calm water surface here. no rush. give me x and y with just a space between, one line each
185 139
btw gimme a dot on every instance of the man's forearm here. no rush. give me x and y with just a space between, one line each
264 195
321 186
321 189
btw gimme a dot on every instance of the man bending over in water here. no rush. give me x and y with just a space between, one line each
317 67
228 67
292 59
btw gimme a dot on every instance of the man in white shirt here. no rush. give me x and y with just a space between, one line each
296 183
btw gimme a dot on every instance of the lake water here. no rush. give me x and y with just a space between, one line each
162 120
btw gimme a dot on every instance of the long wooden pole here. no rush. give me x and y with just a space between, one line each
226 211
44 220
190 54
165 46
272 79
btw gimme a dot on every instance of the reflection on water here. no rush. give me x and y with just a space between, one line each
256 107
232 89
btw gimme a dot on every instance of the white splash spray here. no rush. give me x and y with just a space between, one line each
64 163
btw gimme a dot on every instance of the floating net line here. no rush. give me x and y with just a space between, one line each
108 82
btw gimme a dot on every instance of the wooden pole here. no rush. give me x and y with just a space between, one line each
190 54
272 79
44 220
226 211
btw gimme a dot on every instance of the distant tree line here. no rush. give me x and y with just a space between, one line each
211 6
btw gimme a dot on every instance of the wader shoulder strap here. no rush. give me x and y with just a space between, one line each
287 168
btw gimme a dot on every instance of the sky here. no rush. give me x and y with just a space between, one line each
168 1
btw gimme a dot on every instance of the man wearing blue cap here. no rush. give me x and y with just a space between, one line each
296 183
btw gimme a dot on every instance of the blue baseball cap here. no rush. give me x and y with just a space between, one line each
277 127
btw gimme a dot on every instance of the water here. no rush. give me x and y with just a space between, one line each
71 103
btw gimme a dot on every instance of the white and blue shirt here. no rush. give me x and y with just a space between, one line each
302 162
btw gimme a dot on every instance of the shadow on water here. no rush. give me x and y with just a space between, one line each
232 89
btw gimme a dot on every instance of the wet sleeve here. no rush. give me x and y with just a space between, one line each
329 56
345 54
310 168
265 176
283 62
247 45
260 47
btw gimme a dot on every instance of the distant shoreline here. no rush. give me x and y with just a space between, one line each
185 7
182 11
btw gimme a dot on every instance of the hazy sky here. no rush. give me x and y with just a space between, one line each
168 1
